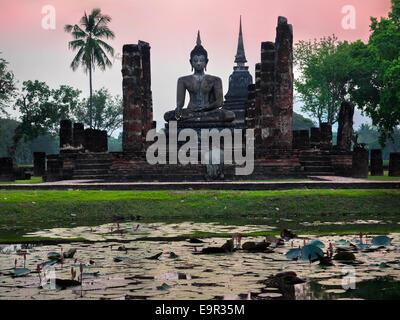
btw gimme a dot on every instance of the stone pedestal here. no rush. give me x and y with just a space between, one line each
360 163
394 164
6 169
376 162
65 133
39 164
345 128
326 136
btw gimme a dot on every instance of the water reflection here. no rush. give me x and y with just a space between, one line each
239 275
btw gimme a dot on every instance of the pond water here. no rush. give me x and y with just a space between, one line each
154 261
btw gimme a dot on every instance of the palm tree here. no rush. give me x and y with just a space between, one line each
92 50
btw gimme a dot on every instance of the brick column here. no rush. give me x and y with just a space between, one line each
376 162
266 94
39 164
360 163
345 129
315 137
326 136
137 97
79 135
394 164
6 169
283 111
274 91
65 133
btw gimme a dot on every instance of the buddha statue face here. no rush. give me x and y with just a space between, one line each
199 63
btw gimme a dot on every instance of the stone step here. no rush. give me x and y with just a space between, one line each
90 171
88 166
318 169
93 156
93 162
315 163
314 158
90 177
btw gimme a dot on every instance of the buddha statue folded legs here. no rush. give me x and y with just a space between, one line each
205 91
216 115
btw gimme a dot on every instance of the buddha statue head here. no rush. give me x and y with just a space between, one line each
198 56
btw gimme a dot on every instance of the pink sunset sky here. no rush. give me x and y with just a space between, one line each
170 26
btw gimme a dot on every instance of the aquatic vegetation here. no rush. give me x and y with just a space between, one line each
158 262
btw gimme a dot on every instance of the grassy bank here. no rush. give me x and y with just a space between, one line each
25 211
33 180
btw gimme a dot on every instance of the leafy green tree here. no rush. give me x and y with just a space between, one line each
92 50
324 78
43 108
376 73
7 85
107 112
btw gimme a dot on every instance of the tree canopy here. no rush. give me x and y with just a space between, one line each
324 76
92 50
107 111
365 74
43 108
376 73
7 85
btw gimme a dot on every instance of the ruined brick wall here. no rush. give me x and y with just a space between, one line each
137 97
345 128
274 93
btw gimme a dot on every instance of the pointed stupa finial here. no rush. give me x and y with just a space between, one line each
198 41
240 57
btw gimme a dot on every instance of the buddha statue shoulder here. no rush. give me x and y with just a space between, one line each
205 92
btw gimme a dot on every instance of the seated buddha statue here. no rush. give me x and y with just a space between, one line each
205 91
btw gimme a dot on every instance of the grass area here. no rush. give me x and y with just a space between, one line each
27 211
385 177
33 180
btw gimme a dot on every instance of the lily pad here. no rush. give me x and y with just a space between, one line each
363 246
312 251
343 243
316 243
20 272
164 286
344 256
119 259
293 253
270 295
381 241
54 255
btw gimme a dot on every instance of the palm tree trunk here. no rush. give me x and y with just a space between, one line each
91 102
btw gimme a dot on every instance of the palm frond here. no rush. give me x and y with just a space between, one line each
106 46
76 44
104 31
85 22
92 50
101 58
68 27
77 59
